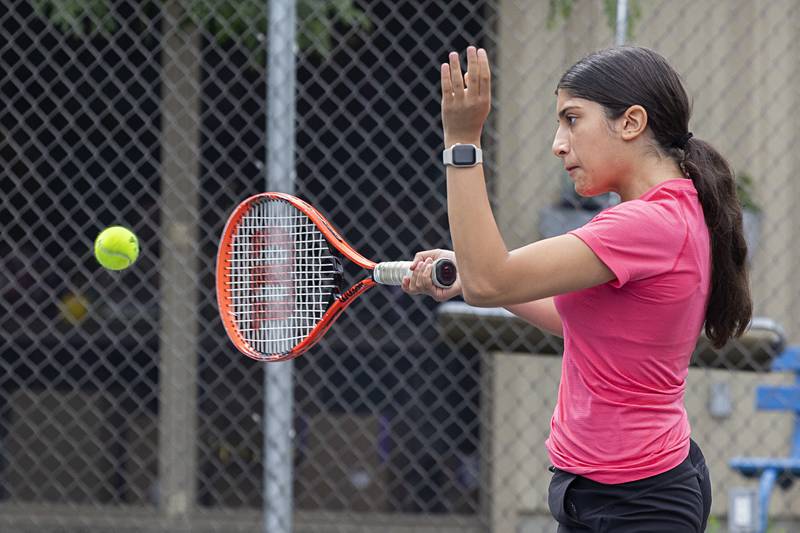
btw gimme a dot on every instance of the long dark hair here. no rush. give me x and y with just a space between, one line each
618 78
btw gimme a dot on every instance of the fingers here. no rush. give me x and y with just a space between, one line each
473 68
456 78
420 257
485 81
478 75
447 85
420 281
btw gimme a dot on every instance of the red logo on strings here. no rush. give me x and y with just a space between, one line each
271 276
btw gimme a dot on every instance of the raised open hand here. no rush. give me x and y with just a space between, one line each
466 99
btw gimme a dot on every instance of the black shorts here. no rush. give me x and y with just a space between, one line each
675 501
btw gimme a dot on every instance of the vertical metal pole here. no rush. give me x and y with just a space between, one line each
179 272
619 40
622 21
278 377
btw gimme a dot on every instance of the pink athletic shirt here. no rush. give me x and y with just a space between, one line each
627 343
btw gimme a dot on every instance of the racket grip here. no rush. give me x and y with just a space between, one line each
392 272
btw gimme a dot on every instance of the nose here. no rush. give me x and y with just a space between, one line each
560 143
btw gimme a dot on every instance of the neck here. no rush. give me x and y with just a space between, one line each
647 175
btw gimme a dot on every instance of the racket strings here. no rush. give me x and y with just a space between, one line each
281 276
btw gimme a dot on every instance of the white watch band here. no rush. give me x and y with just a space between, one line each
447 155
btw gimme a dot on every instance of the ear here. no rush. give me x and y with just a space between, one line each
633 122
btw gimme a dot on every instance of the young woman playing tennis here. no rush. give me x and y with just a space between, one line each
630 291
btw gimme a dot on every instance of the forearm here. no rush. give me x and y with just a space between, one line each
477 242
541 313
479 248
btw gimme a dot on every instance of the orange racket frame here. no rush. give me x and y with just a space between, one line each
341 301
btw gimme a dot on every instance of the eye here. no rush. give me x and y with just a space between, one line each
571 119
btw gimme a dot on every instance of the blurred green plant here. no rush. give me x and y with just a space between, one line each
745 190
243 21
562 9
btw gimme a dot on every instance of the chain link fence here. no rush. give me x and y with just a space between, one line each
122 404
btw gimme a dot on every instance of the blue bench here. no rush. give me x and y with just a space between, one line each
776 470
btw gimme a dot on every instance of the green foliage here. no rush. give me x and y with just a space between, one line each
242 21
713 525
745 192
318 17
78 17
562 9
558 9
231 20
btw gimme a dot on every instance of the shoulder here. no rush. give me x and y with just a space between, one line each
636 236
640 238
653 218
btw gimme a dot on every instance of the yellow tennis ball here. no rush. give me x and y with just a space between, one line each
116 248
74 308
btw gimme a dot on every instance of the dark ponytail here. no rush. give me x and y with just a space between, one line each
618 78
729 306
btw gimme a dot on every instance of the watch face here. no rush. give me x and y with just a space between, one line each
463 154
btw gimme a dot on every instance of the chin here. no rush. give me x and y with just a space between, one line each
584 192
587 192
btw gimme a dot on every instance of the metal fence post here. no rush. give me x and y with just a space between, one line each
279 377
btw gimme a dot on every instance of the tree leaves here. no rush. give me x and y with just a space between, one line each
562 9
78 17
242 21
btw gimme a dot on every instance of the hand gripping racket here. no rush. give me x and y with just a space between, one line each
280 286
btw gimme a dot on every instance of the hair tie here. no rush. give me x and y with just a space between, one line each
683 140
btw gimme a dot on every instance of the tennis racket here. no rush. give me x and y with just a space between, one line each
280 283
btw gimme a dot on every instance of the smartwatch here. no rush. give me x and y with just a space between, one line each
462 155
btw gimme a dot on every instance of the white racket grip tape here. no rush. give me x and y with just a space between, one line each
443 274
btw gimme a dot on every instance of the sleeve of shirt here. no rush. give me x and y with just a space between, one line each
636 240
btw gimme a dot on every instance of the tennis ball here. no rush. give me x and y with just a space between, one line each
74 307
116 248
